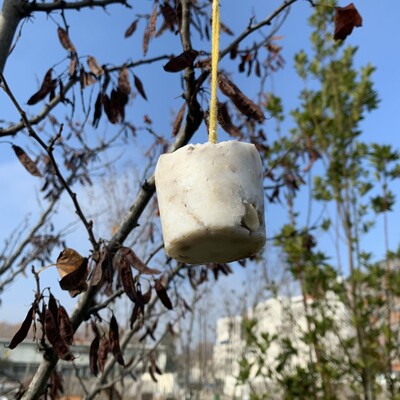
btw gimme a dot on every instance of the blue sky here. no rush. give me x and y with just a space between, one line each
100 34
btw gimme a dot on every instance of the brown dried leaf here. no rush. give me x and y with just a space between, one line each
68 261
132 28
153 20
178 120
65 40
181 62
124 84
139 87
23 330
54 337
73 269
162 294
65 326
27 162
47 86
94 66
113 338
240 100
346 18
135 261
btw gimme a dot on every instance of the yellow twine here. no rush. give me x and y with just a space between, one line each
212 135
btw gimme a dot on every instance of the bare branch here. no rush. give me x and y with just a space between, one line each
69 5
49 151
14 129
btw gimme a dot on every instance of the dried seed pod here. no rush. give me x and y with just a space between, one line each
113 338
94 66
65 326
47 86
162 294
139 87
54 337
135 261
65 40
153 20
132 28
124 85
27 162
127 279
178 120
104 349
147 295
240 100
53 307
181 62
94 355
23 330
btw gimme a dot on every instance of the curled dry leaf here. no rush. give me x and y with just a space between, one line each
72 268
178 120
65 40
54 337
47 87
346 19
132 28
139 87
65 326
26 161
124 85
162 294
181 62
75 281
240 100
69 260
23 330
135 261
94 66
113 338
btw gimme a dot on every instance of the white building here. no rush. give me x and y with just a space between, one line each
280 322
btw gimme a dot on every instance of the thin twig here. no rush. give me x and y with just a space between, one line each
49 150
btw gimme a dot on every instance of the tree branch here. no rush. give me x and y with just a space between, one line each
69 5
11 15
14 129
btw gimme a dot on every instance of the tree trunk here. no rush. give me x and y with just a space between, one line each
10 16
